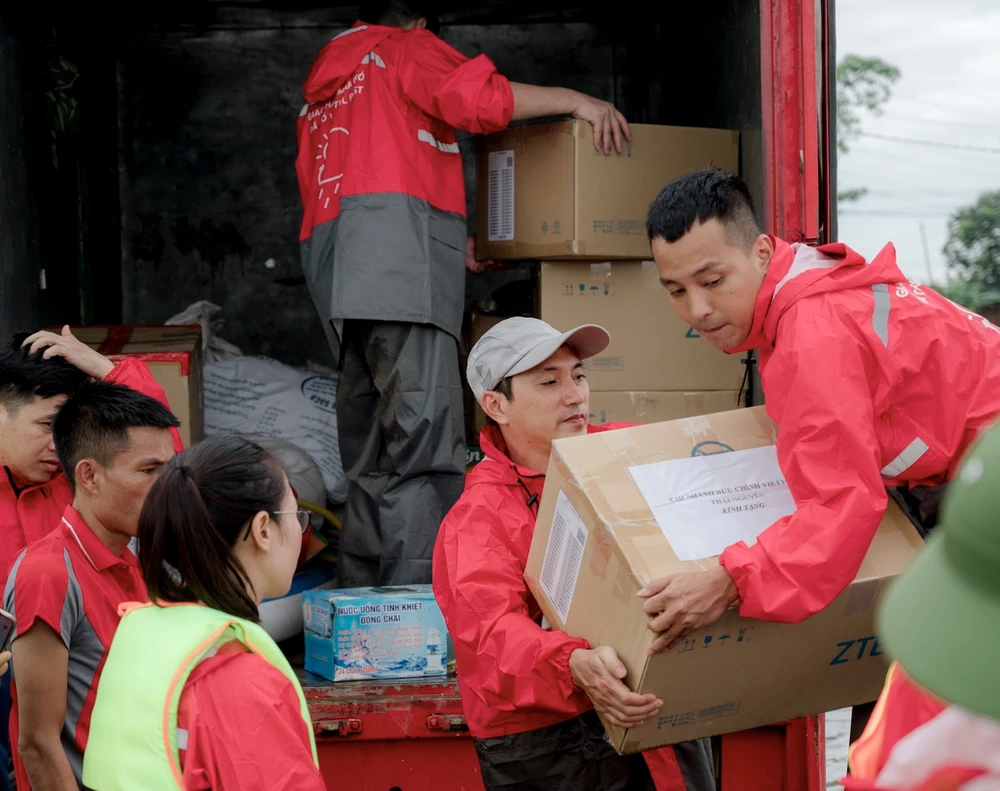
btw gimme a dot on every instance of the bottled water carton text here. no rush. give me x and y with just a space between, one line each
364 633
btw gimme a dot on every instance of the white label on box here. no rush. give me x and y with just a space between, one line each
563 556
706 503
500 209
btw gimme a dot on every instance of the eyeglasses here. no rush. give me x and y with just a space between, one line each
303 517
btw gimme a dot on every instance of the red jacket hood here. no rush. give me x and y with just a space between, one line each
340 58
503 471
797 271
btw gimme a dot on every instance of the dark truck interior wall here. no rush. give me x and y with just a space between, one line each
205 101
19 258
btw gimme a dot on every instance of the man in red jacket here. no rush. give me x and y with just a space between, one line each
384 249
65 589
529 692
874 381
37 373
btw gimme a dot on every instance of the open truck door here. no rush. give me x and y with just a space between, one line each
798 87
798 91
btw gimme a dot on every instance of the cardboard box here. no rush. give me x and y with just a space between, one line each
544 192
656 407
651 349
481 323
359 633
598 541
173 356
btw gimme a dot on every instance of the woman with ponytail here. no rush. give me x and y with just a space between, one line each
195 694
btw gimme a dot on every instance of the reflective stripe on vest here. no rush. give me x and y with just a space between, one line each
134 740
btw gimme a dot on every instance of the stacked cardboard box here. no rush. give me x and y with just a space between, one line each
545 193
173 355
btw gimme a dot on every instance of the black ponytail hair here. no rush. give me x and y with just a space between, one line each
195 514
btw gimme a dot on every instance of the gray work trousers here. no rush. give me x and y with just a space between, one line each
402 443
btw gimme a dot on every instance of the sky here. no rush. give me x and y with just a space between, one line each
948 95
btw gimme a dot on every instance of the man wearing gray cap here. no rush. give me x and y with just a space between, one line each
529 692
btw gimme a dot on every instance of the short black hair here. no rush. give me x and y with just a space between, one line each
699 197
95 420
399 13
25 376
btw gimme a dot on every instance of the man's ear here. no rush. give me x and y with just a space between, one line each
4 414
495 405
87 476
421 24
763 249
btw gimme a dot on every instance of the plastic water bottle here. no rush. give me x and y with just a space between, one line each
435 657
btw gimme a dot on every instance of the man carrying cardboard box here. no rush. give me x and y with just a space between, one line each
529 692
384 248
874 381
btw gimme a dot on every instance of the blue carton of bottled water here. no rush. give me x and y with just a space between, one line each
369 633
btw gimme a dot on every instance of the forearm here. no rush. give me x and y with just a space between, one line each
534 101
46 764
532 669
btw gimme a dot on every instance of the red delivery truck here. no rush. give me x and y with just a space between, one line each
411 735
165 174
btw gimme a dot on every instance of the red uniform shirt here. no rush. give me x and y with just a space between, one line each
74 584
29 514
240 725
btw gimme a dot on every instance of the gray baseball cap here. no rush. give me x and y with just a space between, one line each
519 344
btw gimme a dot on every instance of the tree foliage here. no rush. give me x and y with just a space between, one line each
973 247
864 85
970 294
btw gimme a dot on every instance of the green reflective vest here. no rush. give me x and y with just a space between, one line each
132 744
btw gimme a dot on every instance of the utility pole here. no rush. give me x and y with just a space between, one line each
927 255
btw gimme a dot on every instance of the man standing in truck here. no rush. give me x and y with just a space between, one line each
874 381
384 249
529 692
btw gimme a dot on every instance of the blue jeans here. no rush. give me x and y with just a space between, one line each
5 755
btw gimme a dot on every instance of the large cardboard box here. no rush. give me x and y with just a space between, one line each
709 481
173 355
651 348
544 192
656 407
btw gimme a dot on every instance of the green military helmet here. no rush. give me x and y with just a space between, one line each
941 618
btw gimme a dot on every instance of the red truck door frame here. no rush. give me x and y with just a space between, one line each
798 85
405 738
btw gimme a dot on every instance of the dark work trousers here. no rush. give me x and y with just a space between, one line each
402 443
921 505
575 756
